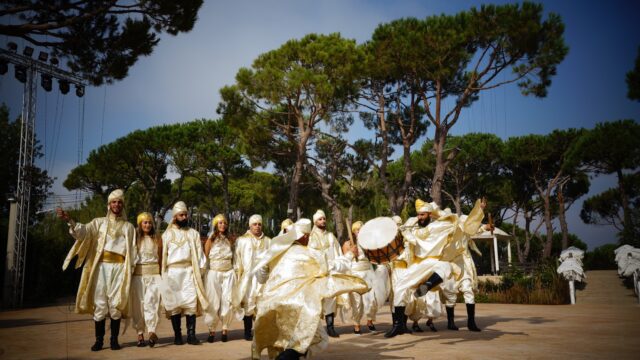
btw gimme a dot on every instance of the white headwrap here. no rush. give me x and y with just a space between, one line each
318 215
422 207
116 194
179 208
255 219
302 227
281 243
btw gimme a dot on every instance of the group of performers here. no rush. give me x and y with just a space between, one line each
288 284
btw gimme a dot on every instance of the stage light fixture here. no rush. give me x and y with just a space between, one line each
21 73
54 61
28 51
13 47
79 90
46 82
64 86
43 56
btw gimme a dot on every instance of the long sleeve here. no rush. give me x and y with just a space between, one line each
202 259
85 236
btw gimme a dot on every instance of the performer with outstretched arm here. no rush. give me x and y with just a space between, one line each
105 250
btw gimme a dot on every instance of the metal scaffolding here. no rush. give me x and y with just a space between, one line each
17 242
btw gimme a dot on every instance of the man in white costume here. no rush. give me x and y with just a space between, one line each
365 304
248 247
145 283
401 301
458 252
324 241
297 278
427 271
105 249
182 268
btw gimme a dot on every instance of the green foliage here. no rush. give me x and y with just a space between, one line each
100 39
40 180
601 258
613 148
543 286
633 80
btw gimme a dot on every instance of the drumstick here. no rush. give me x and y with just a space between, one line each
346 221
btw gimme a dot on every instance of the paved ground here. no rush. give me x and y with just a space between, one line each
604 324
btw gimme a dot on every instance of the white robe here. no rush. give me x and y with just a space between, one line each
183 262
248 248
145 288
327 244
288 316
104 287
219 284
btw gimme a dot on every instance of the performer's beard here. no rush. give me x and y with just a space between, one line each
424 222
182 223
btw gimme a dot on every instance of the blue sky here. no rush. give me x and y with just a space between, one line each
180 81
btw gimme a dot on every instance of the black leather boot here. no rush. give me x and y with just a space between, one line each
451 325
288 354
99 326
398 318
191 330
433 281
115 331
431 326
471 318
248 323
416 327
177 332
403 323
331 331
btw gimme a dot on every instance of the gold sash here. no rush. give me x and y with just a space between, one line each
220 265
147 269
111 257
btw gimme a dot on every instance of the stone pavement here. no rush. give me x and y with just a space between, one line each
603 324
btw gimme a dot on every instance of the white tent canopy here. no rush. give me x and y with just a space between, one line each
497 234
628 259
572 252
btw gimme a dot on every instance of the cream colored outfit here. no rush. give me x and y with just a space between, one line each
104 247
457 252
248 248
289 313
183 262
145 287
326 243
219 284
363 304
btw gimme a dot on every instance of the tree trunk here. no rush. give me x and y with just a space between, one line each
546 250
225 193
384 156
627 231
294 187
438 175
562 217
519 252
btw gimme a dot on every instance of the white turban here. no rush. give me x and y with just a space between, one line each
179 208
422 207
302 227
255 219
318 215
116 194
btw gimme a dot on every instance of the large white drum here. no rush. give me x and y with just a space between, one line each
381 240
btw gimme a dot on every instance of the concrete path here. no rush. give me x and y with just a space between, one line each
604 324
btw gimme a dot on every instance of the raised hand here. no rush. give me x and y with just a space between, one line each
63 214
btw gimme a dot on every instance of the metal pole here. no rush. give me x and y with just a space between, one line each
10 265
